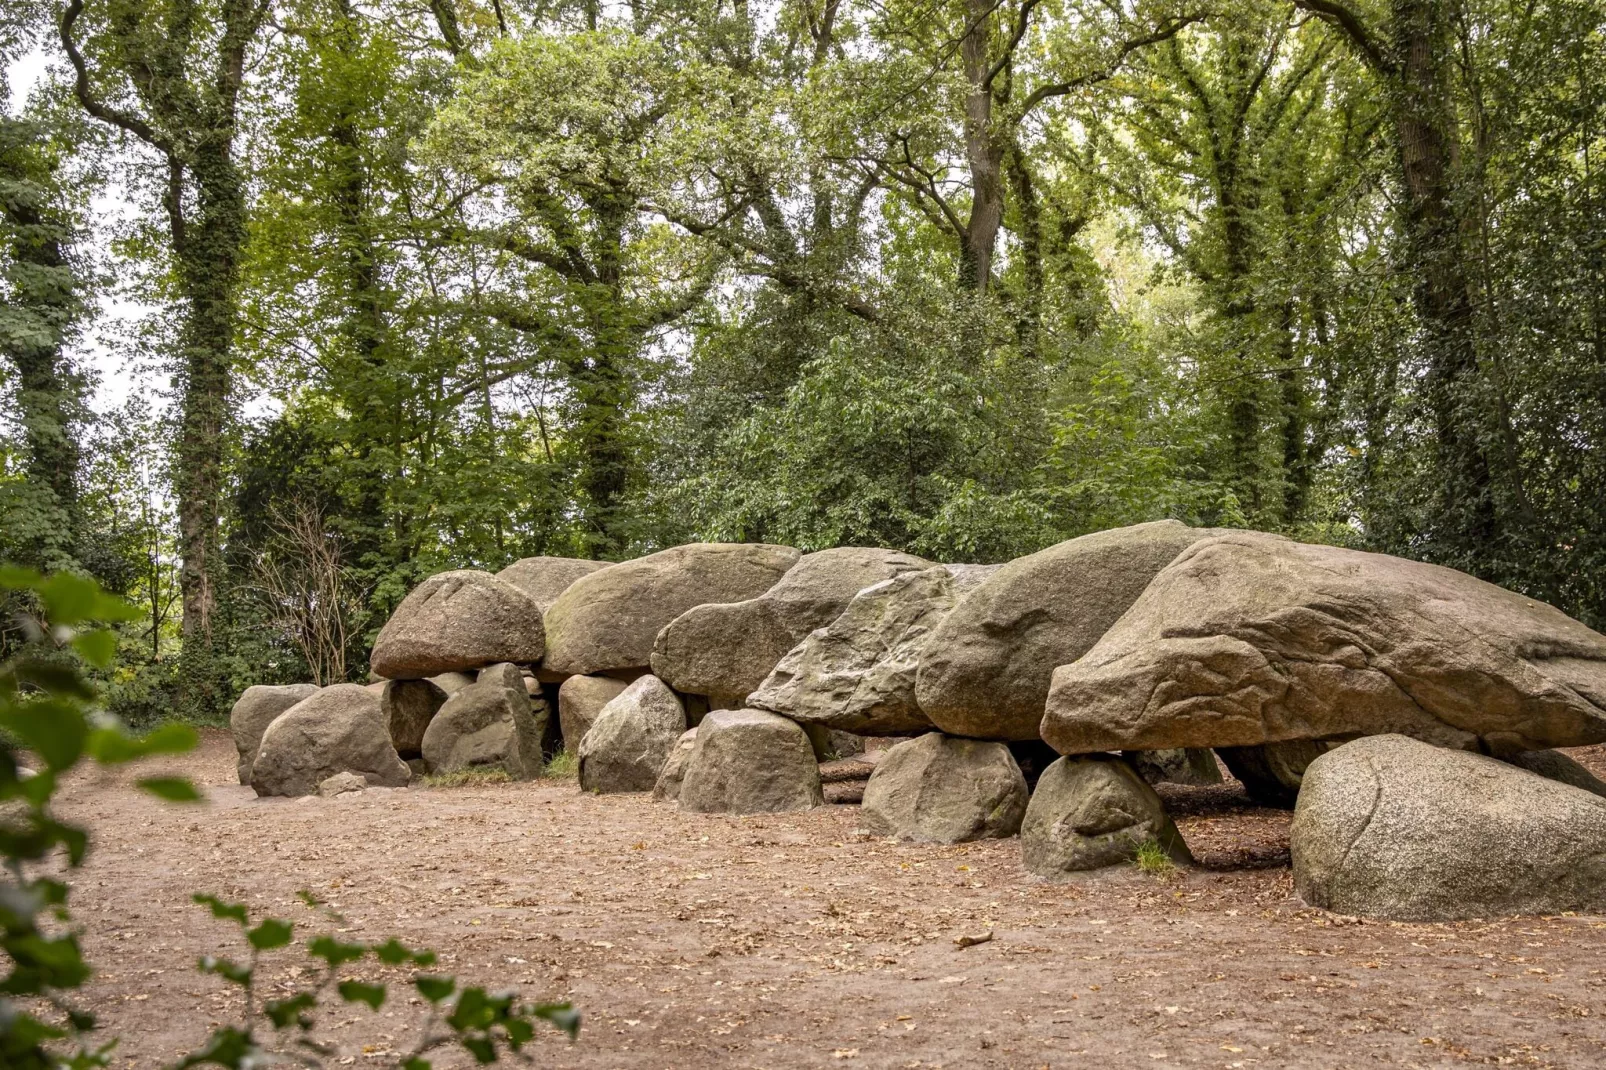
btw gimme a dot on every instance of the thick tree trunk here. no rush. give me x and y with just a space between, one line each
984 151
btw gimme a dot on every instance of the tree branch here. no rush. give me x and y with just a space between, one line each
1336 14
123 120
1164 32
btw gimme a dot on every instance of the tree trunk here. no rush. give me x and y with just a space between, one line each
984 151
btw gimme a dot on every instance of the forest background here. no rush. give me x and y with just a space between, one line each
445 283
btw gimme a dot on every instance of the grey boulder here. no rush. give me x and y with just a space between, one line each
667 789
727 650
857 674
253 711
338 729
543 579
750 762
607 621
458 620
986 671
1250 638
341 784
1554 765
492 723
1194 765
408 707
1390 827
1090 812
580 700
939 789
625 749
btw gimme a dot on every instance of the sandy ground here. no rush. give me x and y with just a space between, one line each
778 941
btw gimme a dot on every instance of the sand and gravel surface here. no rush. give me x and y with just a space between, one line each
692 940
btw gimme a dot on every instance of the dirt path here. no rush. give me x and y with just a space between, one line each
778 941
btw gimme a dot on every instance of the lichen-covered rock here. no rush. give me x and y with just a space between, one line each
1090 812
857 674
543 579
727 650
667 789
939 789
1390 827
337 729
409 706
626 748
459 620
750 762
255 709
490 724
1195 766
607 621
580 700
1250 638
986 671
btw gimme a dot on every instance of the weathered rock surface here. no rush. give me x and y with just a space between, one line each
452 682
491 724
986 671
458 620
1271 773
580 700
667 789
626 748
1194 765
342 784
543 579
253 711
1090 812
1250 638
1553 765
728 650
939 789
750 762
857 674
337 729
409 706
607 621
1390 827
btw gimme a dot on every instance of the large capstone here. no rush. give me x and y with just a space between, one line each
337 729
727 650
857 674
1094 811
606 622
1390 827
455 621
986 671
626 748
491 724
543 579
1250 638
939 789
255 709
750 762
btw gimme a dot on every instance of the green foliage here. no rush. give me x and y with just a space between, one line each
1152 859
564 765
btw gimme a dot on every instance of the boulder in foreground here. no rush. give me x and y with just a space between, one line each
255 709
626 748
1090 812
1250 638
939 789
338 729
458 620
1390 827
750 762
490 724
667 789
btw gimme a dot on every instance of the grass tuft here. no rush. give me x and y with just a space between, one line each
565 765
467 778
1152 859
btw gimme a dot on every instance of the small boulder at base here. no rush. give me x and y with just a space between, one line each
986 671
750 762
455 621
338 729
1250 638
490 724
857 674
1389 827
1271 773
543 579
1195 766
1093 811
728 650
607 621
409 706
341 784
667 789
580 700
255 709
626 748
939 789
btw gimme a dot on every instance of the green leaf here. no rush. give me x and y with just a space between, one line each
270 934
391 952
424 959
483 1050
334 952
98 647
562 1015
50 728
68 599
360 992
225 1047
418 1062
228 969
220 909
285 1012
435 989
14 578
172 788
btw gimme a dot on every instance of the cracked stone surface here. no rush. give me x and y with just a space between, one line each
1389 827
